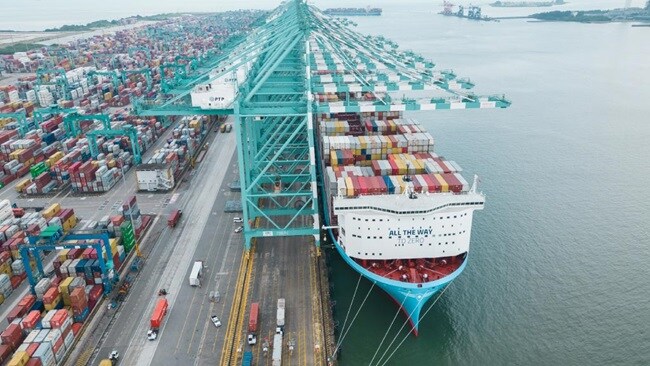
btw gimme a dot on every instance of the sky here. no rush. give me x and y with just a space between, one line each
40 14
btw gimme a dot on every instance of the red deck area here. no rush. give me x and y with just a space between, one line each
413 270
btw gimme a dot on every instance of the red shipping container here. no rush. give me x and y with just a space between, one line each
86 254
33 230
27 301
76 327
454 184
434 185
363 188
417 187
4 256
431 183
74 253
31 319
355 185
50 295
77 294
95 292
12 336
34 362
31 349
5 353
15 281
116 261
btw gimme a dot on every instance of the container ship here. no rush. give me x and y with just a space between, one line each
353 12
401 215
526 4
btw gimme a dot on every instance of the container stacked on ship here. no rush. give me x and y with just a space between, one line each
402 213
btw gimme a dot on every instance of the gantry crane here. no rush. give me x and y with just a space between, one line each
71 122
40 113
112 74
56 77
24 124
53 238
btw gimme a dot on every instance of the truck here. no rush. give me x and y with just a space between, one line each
247 360
280 313
252 323
195 274
173 218
223 128
228 127
277 349
157 318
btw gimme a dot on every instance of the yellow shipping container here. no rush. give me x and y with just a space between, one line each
15 254
63 286
70 223
2 298
49 212
6 269
350 187
22 184
333 159
54 303
443 183
63 255
14 155
108 96
402 184
20 359
114 243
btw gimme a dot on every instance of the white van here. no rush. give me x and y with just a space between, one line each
195 275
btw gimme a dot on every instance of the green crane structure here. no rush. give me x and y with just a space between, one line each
22 121
56 77
40 113
71 122
126 130
300 58
110 73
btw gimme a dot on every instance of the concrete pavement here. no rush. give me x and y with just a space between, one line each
205 233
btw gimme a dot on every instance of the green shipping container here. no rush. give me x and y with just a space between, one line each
37 169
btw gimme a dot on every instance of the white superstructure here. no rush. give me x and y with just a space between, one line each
395 226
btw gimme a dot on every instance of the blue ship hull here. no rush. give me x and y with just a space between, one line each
411 297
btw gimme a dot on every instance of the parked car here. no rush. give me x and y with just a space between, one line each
239 230
237 220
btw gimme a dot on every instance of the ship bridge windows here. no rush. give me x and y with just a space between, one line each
342 208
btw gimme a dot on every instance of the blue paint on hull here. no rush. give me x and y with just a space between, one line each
410 297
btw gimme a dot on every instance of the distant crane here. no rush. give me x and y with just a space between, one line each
448 6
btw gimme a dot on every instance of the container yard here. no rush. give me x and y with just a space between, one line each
121 240
46 321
